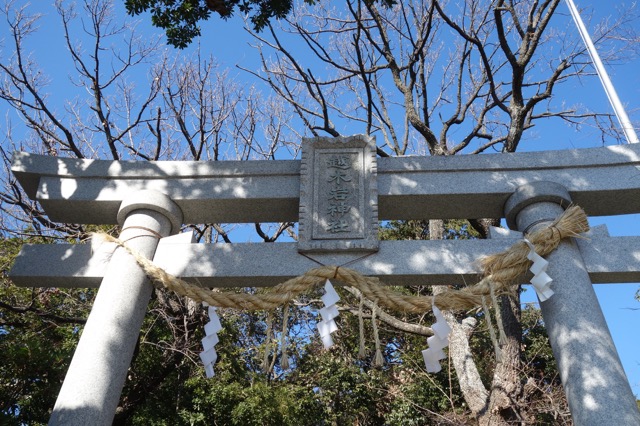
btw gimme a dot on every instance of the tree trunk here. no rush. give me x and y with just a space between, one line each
473 390
506 387
499 405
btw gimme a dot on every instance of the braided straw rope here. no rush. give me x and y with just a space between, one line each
499 271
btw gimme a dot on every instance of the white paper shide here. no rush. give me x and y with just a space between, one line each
208 354
328 313
437 342
541 280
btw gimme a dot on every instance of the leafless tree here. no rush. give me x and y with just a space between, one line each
126 100
426 77
123 98
437 78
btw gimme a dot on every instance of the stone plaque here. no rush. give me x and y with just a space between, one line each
338 195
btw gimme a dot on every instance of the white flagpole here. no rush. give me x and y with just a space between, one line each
623 118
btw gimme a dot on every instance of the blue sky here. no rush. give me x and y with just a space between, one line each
230 45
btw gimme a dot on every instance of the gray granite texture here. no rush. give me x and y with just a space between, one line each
92 191
338 195
592 375
91 389
471 186
607 259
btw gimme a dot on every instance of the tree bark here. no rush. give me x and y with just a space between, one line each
498 405
473 390
506 387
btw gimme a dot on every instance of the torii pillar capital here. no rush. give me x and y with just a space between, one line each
93 384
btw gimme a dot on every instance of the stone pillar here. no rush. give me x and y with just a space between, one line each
91 389
594 381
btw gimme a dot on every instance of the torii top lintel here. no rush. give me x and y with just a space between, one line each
604 181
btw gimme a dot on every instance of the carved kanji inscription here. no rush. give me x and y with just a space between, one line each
338 199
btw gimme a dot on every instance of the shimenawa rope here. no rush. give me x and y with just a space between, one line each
499 272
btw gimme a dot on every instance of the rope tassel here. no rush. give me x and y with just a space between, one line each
499 270
378 359
267 344
500 273
361 349
284 359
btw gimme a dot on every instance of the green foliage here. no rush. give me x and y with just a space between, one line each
240 394
419 230
324 387
39 329
180 18
34 364
166 385
537 354
228 401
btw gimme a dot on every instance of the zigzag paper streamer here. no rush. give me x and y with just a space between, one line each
437 342
541 280
328 313
211 329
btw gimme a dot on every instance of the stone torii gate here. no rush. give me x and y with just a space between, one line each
337 192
